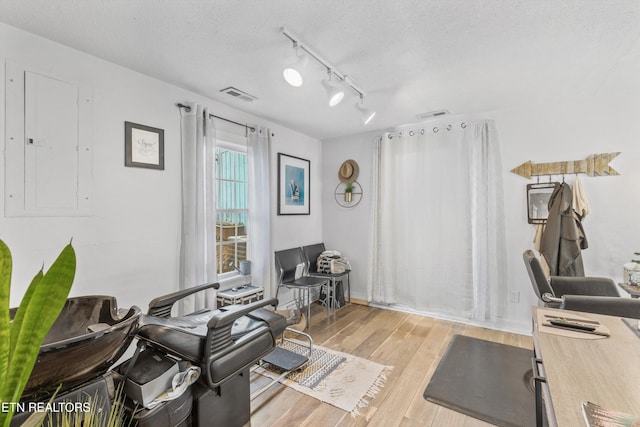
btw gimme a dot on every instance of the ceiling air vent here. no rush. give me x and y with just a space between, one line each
238 94
432 114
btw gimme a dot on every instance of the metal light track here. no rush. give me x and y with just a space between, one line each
326 64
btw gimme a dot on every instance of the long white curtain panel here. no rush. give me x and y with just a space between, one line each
258 155
438 223
198 234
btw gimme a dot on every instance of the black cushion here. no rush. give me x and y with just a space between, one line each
536 275
288 260
312 252
277 322
242 353
612 306
185 336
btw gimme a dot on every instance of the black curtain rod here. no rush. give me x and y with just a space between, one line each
186 107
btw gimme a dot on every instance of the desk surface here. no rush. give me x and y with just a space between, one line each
603 371
633 290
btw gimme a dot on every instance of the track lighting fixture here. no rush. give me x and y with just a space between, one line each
367 114
293 73
334 93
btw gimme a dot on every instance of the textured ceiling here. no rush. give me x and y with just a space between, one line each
409 56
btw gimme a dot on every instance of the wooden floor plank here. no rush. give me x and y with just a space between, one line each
412 344
330 416
447 417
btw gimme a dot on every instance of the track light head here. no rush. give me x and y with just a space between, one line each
334 93
293 73
366 113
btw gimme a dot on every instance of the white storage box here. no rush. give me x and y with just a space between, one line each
241 295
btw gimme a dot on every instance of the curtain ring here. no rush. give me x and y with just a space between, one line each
435 130
448 127
411 133
421 131
463 125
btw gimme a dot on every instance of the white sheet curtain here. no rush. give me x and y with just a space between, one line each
198 235
258 149
438 221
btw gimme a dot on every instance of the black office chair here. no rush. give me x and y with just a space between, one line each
291 266
312 252
550 291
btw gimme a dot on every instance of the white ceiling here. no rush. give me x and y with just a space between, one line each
409 56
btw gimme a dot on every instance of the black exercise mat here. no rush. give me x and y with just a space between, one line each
485 380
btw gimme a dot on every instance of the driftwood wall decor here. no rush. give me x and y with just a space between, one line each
594 165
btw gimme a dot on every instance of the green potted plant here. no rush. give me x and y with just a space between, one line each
21 337
348 192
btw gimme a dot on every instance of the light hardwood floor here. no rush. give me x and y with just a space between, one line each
412 344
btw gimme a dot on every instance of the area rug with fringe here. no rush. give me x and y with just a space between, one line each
339 379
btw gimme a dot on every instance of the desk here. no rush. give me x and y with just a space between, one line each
603 371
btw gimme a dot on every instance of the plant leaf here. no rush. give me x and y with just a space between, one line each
40 310
5 322
19 316
36 419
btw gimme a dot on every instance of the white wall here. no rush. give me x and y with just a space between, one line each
129 246
606 120
298 230
348 229
572 131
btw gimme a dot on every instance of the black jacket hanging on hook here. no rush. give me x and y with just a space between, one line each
563 238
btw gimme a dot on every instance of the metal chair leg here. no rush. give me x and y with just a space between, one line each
308 309
334 299
327 300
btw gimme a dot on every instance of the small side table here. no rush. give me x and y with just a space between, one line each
633 290
240 295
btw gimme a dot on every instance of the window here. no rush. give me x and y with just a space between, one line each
232 207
